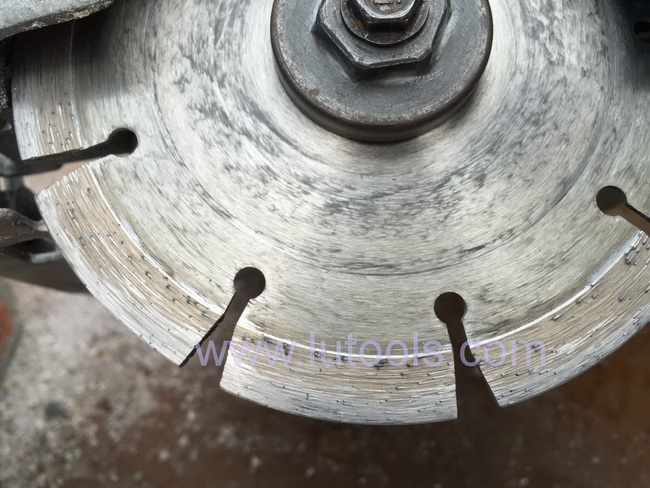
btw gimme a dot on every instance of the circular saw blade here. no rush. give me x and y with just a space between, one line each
497 205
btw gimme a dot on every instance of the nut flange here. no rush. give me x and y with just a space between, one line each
380 93
367 51
385 22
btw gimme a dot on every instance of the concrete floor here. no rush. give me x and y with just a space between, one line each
84 403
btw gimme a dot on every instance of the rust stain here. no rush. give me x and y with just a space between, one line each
6 328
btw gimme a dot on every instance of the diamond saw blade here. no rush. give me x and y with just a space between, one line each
497 204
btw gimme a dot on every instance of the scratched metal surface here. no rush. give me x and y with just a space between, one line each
497 204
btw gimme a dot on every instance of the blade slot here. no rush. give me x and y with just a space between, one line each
612 201
249 283
473 394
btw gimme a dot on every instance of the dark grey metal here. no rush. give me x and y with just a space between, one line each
15 229
361 51
380 93
22 15
27 252
385 22
49 270
642 30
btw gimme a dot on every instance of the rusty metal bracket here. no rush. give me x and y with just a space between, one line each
27 252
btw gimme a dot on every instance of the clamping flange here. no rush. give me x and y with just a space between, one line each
381 70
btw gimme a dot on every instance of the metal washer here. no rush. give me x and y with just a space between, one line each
388 108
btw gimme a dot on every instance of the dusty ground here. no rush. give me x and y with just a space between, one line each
85 404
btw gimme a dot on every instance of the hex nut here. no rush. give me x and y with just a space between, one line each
366 58
395 14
